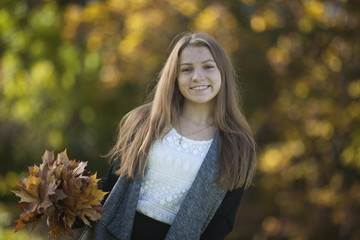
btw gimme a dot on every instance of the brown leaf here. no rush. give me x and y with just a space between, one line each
79 169
25 197
93 215
46 190
63 159
61 190
49 211
48 157
28 206
59 195
48 160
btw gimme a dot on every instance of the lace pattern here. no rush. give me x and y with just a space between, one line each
189 146
170 171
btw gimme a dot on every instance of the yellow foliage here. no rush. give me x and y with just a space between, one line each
285 43
302 89
271 19
336 182
278 56
136 22
298 171
72 19
155 17
46 17
323 197
318 128
91 61
87 114
208 18
188 8
94 41
351 156
42 75
109 75
330 56
11 64
354 88
319 72
22 109
271 225
73 14
271 160
93 11
319 107
5 20
353 110
16 87
314 8
127 46
278 157
338 216
175 2
137 4
55 138
334 63
104 43
248 1
305 25
284 100
118 5
258 23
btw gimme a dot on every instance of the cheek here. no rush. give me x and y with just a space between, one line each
219 81
219 86
181 85
182 81
179 79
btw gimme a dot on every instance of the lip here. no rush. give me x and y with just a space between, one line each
200 87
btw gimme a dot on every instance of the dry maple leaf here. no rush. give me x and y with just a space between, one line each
59 190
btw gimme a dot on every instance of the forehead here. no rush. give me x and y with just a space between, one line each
195 53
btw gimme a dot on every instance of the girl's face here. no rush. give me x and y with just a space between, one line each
199 78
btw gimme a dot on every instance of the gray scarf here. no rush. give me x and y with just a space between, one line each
196 211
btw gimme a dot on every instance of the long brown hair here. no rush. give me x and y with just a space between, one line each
142 126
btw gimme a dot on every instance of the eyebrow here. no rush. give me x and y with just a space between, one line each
201 62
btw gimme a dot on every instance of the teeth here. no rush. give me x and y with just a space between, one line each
199 87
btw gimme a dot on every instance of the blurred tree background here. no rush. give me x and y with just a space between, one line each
69 70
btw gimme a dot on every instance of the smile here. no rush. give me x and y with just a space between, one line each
200 87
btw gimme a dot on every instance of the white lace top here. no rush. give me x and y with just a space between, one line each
170 171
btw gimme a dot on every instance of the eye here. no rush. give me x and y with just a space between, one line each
185 70
208 66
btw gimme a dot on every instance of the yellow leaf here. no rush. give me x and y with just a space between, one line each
32 186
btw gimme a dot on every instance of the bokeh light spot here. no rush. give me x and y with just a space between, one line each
258 23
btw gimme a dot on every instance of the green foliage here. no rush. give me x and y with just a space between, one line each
69 72
7 232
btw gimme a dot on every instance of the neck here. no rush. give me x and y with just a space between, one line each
198 114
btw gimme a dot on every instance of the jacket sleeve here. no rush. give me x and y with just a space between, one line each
106 184
223 221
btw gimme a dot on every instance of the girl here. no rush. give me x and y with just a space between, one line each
182 161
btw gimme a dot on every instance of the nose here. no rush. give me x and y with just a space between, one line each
198 75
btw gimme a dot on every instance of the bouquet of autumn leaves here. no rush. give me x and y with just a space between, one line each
59 190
